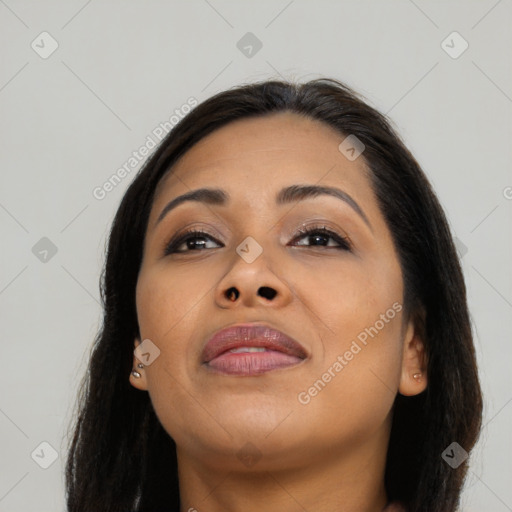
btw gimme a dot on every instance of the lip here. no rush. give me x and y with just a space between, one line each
281 350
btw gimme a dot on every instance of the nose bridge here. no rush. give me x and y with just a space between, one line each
253 276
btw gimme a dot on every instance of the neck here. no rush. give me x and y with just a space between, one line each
348 480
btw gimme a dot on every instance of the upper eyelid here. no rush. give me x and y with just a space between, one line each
305 231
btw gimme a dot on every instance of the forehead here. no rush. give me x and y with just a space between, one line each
256 157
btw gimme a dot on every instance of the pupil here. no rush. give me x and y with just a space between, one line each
194 243
317 237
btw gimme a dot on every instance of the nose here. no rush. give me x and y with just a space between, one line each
252 284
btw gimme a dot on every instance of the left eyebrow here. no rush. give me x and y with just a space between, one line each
293 193
302 192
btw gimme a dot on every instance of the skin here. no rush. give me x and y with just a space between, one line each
330 453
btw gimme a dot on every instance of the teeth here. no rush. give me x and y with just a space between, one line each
248 349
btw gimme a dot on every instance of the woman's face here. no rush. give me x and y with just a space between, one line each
342 303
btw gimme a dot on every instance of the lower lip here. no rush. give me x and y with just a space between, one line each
252 363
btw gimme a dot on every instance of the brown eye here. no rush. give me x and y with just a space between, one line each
192 241
320 236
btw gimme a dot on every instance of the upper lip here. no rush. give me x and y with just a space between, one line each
251 335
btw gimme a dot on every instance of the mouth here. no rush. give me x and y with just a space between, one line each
251 349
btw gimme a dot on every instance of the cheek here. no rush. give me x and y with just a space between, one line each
360 318
166 298
352 298
352 392
169 309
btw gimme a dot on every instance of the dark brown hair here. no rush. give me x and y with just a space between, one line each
121 459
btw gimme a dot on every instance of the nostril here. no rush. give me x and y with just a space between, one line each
232 294
268 293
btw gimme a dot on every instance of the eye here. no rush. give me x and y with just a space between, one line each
193 240
197 240
320 237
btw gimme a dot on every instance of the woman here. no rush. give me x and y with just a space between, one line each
285 321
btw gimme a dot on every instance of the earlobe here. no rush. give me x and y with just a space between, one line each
413 379
412 383
138 375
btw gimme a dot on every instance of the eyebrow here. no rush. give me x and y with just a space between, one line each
290 194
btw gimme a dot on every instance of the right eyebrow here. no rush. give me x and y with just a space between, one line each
214 196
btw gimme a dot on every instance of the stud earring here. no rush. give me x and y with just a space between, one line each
135 373
417 377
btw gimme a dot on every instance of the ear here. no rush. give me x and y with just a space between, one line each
414 377
138 382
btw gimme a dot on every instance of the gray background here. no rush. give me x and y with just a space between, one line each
70 120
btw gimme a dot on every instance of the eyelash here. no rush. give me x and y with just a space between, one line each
344 242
